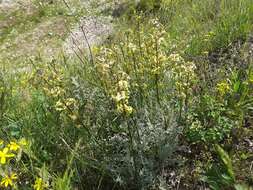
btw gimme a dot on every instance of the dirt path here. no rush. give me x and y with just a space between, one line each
40 39
50 36
91 30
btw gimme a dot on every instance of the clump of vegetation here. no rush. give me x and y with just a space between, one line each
164 103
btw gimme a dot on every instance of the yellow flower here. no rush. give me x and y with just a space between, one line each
120 96
223 88
1 142
8 180
124 108
175 58
123 84
13 146
39 184
57 91
59 106
4 154
70 101
205 52
128 109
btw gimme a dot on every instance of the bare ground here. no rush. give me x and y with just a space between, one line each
90 31
50 37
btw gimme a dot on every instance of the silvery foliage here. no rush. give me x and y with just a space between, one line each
154 140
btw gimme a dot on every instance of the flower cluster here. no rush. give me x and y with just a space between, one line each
184 75
39 184
8 180
8 152
114 80
121 97
156 53
54 87
223 88
142 55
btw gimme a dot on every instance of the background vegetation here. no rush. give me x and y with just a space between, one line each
165 102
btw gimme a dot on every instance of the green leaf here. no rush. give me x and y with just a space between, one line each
226 161
237 86
242 187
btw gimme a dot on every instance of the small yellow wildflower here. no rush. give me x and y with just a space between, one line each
123 84
59 106
4 154
175 58
8 180
1 142
124 108
122 95
39 184
223 88
57 91
205 53
128 109
70 101
13 146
